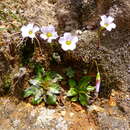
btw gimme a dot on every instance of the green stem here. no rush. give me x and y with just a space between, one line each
69 53
99 36
96 65
39 46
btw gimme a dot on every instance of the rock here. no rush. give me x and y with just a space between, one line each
109 122
23 116
40 12
69 14
123 104
52 1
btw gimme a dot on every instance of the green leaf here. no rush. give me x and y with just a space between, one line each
39 70
54 88
86 89
84 81
70 72
47 78
74 99
39 93
38 96
36 81
83 99
57 78
37 101
29 91
53 76
51 99
90 88
72 83
72 92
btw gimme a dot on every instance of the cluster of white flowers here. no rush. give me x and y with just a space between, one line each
68 41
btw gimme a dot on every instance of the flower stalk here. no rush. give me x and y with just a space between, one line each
98 82
105 23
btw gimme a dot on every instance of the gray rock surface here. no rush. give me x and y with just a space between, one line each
109 122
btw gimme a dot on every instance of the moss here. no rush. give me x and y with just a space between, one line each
6 84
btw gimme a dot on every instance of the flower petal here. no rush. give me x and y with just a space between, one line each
30 26
109 28
62 40
68 36
113 25
65 47
44 29
110 19
43 36
98 82
72 47
23 28
102 24
74 39
104 18
49 40
24 34
51 28
97 86
35 29
54 35
32 35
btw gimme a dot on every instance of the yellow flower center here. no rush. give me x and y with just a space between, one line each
49 34
106 24
68 42
30 32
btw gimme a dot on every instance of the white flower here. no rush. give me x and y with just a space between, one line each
29 30
107 22
68 42
49 33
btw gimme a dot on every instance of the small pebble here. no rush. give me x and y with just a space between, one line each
71 114
63 113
